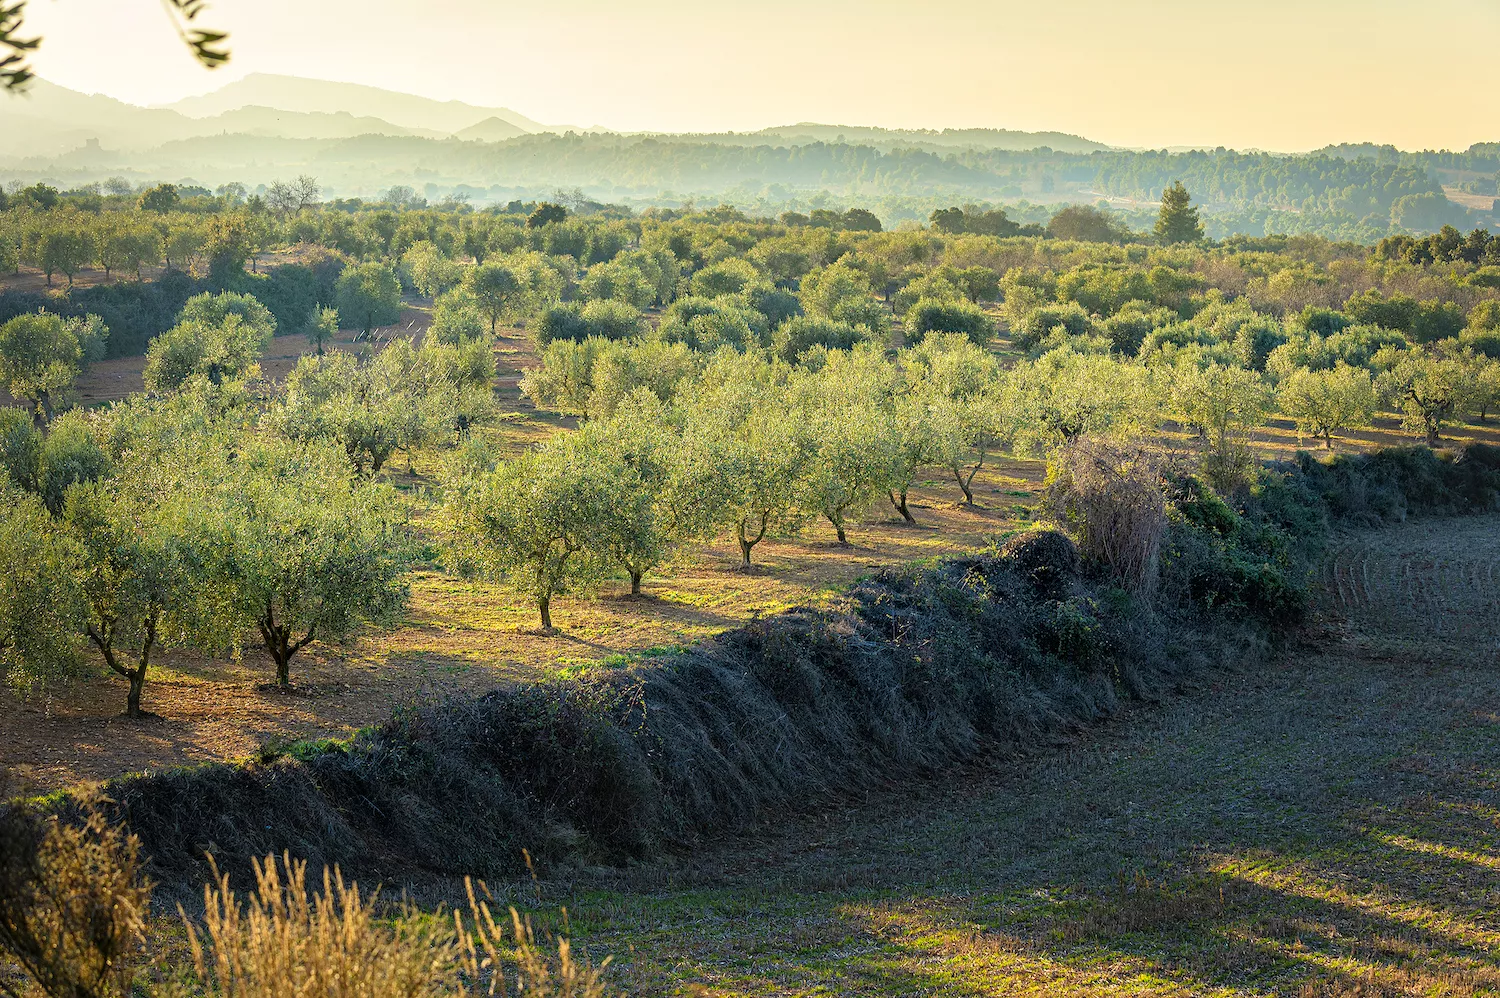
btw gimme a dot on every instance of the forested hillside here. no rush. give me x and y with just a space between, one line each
1358 193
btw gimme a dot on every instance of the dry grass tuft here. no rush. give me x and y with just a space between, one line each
73 903
518 963
290 940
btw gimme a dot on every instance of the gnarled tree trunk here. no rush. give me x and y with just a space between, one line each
898 499
746 542
278 641
104 639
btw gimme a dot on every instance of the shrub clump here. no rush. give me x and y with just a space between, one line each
1048 559
1389 485
1114 500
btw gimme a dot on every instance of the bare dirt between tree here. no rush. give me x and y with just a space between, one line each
1324 825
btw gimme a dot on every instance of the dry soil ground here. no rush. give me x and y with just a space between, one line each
1328 824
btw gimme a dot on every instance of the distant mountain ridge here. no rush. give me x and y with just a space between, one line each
409 111
493 129
51 120
962 138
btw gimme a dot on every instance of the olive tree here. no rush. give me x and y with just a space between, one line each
222 352
322 327
1430 390
427 270
300 547
367 296
66 250
650 507
70 454
622 369
1064 395
565 382
745 450
1324 402
966 431
495 289
913 430
1486 386
534 522
39 356
39 607
928 316
20 450
342 399
1224 403
135 571
456 317
842 293
966 407
455 384
854 454
219 337
214 309
433 389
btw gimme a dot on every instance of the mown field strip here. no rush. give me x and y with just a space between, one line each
1322 826
1432 578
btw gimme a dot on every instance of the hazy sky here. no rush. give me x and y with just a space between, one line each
1273 74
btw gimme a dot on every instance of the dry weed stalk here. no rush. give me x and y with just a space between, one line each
486 954
73 903
1114 498
289 941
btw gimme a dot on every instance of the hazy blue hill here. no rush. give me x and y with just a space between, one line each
48 119
490 130
292 93
373 139
269 121
960 138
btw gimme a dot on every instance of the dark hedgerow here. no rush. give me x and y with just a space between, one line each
919 668
914 670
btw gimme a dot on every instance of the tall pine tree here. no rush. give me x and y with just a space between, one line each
1179 219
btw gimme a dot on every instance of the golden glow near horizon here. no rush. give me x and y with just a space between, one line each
1285 75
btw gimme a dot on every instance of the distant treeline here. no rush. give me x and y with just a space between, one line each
1353 193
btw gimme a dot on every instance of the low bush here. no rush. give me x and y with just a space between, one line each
1390 485
802 333
1048 559
1218 558
611 320
560 322
929 316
